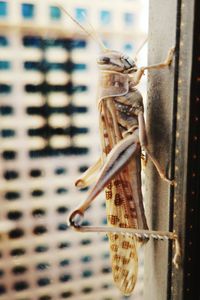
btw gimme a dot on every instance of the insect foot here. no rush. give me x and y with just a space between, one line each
144 159
177 257
75 218
173 182
170 56
79 183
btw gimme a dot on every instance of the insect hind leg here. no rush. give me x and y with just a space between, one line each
88 177
141 235
115 161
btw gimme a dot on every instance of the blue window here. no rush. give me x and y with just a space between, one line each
128 19
4 65
104 221
32 65
3 41
32 41
28 10
5 88
86 259
79 44
6 133
87 273
6 110
80 67
55 13
105 17
128 47
80 14
3 9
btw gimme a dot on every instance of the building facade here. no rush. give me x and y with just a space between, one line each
49 136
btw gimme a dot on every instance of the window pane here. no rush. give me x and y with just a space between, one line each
128 47
105 17
128 18
80 14
3 9
4 65
3 41
55 13
28 10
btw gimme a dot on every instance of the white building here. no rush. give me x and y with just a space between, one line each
49 126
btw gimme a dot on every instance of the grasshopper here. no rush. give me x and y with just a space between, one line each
118 170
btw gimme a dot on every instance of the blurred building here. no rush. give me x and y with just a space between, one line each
49 135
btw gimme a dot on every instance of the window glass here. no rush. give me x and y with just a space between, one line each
3 9
55 13
28 10
128 47
80 14
128 18
3 41
5 65
105 17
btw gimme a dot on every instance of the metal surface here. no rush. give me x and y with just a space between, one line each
187 154
173 116
162 24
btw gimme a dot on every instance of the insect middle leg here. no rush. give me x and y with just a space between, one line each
88 177
144 145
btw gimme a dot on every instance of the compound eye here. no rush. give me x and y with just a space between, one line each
127 61
103 60
106 60
131 62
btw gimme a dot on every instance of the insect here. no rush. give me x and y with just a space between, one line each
118 170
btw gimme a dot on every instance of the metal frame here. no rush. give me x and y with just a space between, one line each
173 123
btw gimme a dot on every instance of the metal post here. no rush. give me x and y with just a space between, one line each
173 115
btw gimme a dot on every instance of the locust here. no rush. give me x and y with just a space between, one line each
118 170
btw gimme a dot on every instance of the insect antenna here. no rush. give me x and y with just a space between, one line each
140 48
92 34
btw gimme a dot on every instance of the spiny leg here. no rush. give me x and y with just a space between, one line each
141 234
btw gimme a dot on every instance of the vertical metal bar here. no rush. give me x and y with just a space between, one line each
173 125
162 36
186 215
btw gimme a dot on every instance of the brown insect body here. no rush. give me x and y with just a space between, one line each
118 170
124 204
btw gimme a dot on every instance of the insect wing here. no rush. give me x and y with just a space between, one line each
120 211
123 247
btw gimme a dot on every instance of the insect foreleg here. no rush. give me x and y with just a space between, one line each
88 177
161 65
164 64
144 145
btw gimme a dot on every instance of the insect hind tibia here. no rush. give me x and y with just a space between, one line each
138 233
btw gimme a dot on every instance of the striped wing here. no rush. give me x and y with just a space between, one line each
123 205
123 248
